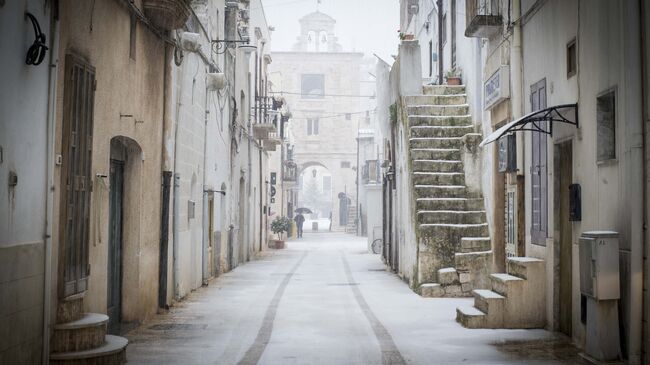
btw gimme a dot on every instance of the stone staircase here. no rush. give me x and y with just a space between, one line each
351 227
454 247
517 299
81 338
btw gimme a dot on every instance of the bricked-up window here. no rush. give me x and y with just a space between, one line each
571 58
345 164
606 119
132 36
78 107
312 86
312 127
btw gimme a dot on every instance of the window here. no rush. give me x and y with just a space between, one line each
312 86
327 183
348 116
571 59
134 25
345 164
606 119
312 127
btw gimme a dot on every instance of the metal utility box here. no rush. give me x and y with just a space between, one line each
599 271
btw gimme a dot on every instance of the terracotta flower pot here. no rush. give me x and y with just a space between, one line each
276 244
409 37
453 81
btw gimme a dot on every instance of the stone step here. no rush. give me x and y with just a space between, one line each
505 283
443 89
492 304
454 217
83 334
432 290
435 154
450 204
470 317
451 99
524 267
441 131
478 264
438 178
111 352
443 191
447 110
452 232
437 166
428 142
448 276
440 120
475 244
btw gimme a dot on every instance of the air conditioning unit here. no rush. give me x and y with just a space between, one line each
215 81
232 4
245 14
190 42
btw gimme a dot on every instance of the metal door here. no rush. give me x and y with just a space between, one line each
539 178
114 275
78 100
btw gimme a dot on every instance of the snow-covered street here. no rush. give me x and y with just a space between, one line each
325 300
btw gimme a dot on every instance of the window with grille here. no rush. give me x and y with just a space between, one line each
571 59
606 118
78 100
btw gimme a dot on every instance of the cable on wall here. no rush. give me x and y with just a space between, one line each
36 52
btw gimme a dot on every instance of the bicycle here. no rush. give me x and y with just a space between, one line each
377 246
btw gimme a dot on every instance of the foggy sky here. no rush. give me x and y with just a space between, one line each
361 25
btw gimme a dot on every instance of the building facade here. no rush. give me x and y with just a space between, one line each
321 83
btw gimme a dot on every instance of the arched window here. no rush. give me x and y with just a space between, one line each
311 41
322 41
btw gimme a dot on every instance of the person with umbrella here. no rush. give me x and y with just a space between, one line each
300 219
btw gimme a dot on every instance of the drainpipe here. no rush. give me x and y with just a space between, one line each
440 46
206 225
516 75
634 146
177 184
49 186
645 77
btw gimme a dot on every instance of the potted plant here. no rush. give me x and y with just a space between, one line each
405 36
453 76
279 226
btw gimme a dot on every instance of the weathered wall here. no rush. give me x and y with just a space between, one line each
124 86
23 207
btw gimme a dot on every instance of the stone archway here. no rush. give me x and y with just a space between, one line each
125 212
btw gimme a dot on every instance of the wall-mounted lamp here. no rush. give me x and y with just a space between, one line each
190 42
219 46
215 81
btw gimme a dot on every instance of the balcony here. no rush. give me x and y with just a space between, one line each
167 14
271 141
483 18
267 118
371 172
289 171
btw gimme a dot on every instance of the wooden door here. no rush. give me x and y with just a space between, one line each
539 180
76 176
114 266
211 243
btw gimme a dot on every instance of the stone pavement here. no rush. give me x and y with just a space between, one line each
325 300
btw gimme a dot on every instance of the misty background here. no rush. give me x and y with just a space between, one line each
368 26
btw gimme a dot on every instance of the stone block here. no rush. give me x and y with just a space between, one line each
466 287
431 290
447 276
453 290
464 277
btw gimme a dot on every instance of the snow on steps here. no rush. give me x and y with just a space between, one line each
517 299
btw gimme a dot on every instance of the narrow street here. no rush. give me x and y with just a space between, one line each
325 300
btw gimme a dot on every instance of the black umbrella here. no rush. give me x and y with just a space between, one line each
304 211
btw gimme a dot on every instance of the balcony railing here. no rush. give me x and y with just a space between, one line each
371 172
290 171
483 18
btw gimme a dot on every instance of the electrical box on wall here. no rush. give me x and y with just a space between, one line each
575 203
599 271
191 209
508 153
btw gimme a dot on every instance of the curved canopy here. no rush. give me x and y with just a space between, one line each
564 113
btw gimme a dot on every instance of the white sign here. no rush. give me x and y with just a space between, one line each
497 87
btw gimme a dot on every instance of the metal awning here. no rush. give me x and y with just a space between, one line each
565 113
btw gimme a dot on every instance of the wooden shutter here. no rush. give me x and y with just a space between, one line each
538 170
76 176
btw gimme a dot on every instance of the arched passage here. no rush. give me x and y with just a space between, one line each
123 266
316 194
